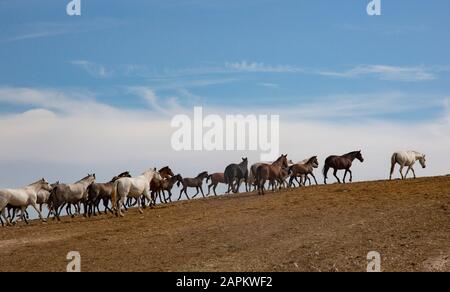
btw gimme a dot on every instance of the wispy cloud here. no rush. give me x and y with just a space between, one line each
245 66
94 69
74 133
30 31
379 71
385 72
268 85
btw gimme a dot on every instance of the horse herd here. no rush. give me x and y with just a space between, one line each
125 191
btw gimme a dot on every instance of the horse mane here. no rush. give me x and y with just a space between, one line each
36 182
351 153
201 173
278 160
310 160
164 168
85 178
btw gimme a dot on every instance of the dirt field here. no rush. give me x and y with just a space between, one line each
324 228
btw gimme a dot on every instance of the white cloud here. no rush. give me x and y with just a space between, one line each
64 137
385 72
245 66
95 70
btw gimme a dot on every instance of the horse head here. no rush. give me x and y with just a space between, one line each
202 175
422 161
314 162
359 156
166 172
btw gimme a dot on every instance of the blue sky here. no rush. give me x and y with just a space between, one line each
321 61
189 45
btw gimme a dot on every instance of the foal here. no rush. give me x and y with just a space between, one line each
193 183
215 178
303 169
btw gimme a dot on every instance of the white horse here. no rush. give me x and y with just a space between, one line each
406 158
22 198
75 193
133 187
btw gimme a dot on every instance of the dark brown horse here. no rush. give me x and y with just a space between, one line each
215 178
167 185
275 172
193 183
236 173
102 192
341 162
156 185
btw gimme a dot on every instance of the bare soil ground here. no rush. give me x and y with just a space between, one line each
319 228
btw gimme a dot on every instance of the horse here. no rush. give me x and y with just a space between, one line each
167 185
75 193
236 172
303 170
22 198
341 162
134 187
216 178
193 183
44 195
252 174
102 192
406 158
156 185
272 172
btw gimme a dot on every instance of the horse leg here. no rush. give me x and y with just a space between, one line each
335 175
139 202
314 177
3 212
38 211
291 181
407 171
22 215
345 175
392 169
196 192
201 189
401 172
119 206
309 180
209 188
351 175
214 189
414 173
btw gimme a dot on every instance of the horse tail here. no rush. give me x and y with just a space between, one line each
325 169
208 178
393 162
114 196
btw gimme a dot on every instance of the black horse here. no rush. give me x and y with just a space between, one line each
236 173
341 162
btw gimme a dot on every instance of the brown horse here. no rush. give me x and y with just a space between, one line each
193 183
167 185
272 172
341 162
102 192
215 178
303 170
156 185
